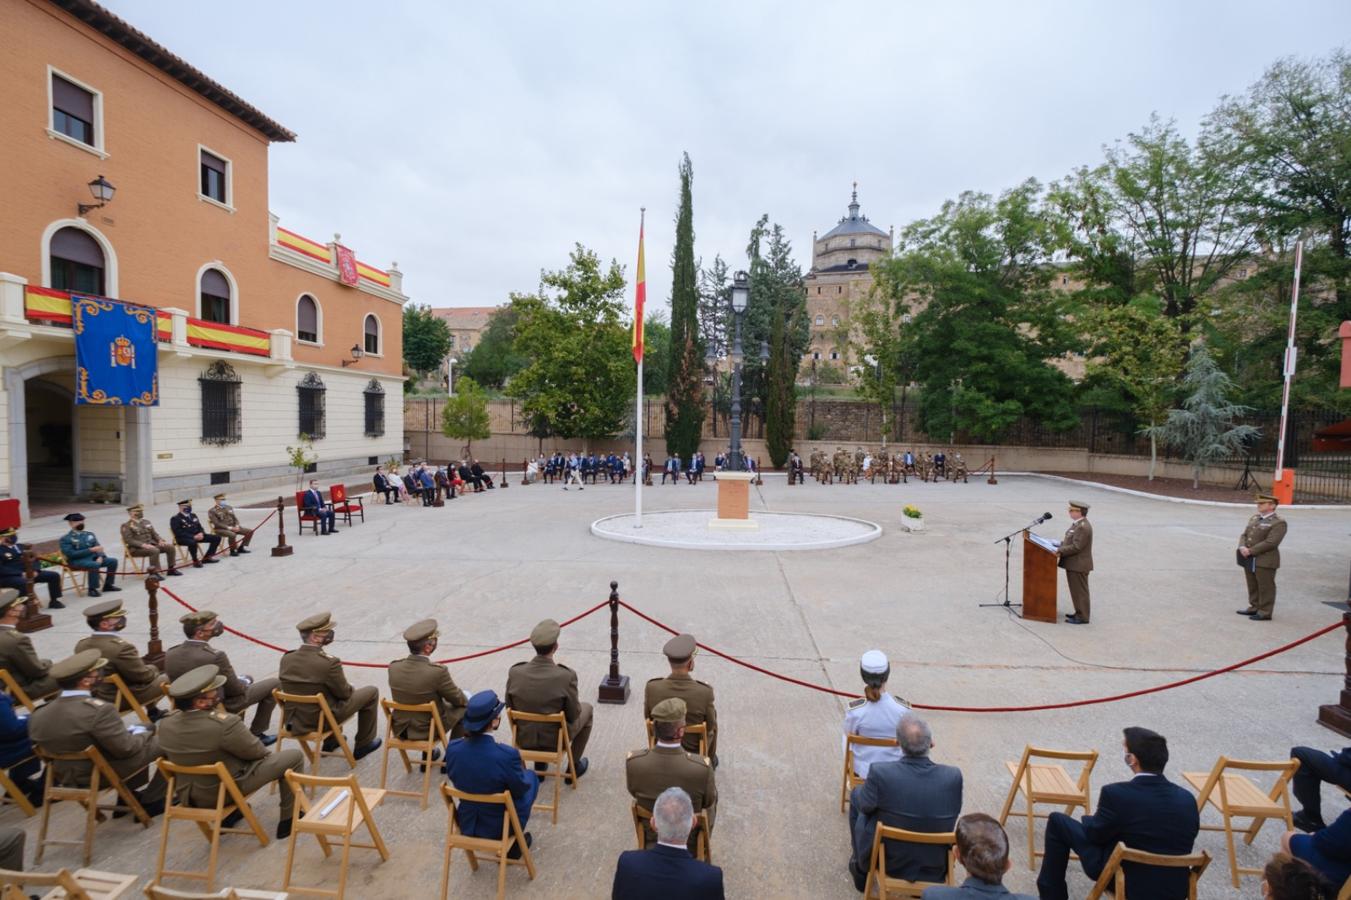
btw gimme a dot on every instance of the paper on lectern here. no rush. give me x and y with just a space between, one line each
1046 543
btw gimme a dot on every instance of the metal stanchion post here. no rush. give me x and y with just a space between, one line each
525 466
614 688
33 618
154 650
992 479
505 483
281 549
1337 716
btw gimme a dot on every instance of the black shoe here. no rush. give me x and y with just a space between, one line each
582 765
245 550
212 561
175 572
515 851
155 713
198 565
109 589
232 819
1075 620
267 740
436 754
1303 821
154 809
330 744
95 592
284 829
1246 612
1259 618
367 749
541 767
56 604
234 552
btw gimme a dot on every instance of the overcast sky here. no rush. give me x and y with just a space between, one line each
475 143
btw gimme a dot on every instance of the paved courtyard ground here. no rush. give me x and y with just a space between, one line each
490 566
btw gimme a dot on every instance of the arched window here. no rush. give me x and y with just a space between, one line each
372 334
307 319
77 262
835 320
215 297
820 320
311 390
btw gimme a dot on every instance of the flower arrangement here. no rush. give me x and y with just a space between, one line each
910 511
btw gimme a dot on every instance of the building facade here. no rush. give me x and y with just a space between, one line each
131 175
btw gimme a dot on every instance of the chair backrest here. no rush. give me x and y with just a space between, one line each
12 884
283 699
1114 876
701 730
300 506
858 740
886 833
1088 757
454 797
337 493
16 692
515 717
438 730
1285 770
642 821
227 785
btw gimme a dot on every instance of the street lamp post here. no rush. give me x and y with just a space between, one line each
741 293
711 361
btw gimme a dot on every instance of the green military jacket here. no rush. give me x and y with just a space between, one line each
309 670
1263 537
18 656
122 658
72 722
544 687
200 737
416 679
139 531
699 708
185 657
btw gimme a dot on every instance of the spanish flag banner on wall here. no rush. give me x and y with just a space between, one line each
639 300
116 363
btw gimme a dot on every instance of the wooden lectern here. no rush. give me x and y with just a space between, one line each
1039 581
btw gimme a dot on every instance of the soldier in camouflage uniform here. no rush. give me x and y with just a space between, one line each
958 468
143 541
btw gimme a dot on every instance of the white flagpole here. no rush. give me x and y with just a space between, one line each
638 410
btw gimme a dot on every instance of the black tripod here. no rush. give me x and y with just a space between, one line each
1008 549
1247 481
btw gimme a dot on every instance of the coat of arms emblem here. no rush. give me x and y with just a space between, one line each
122 353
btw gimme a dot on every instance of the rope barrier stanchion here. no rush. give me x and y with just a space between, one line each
282 548
154 650
614 688
33 619
1337 716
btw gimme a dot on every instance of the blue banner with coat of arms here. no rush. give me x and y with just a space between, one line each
115 359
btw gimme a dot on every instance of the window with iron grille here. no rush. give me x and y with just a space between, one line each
311 390
375 409
220 404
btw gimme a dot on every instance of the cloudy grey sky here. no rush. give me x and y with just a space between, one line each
475 143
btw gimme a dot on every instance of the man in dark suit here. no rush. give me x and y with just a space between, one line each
1315 767
1147 813
382 485
313 504
1328 850
913 793
188 532
667 870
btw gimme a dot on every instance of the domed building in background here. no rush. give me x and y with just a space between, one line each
839 275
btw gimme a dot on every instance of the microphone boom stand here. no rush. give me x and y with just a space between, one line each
1008 549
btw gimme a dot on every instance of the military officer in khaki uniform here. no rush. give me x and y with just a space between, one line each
225 523
76 719
416 679
697 695
543 686
1259 545
668 764
309 670
17 655
143 680
199 733
239 691
1076 558
143 541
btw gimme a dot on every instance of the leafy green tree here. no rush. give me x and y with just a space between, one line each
989 322
714 316
426 339
579 382
685 376
1139 350
877 339
656 355
495 358
465 414
781 400
776 293
1203 430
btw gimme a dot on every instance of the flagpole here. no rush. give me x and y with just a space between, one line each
638 403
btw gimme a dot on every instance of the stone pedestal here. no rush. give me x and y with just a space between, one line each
734 501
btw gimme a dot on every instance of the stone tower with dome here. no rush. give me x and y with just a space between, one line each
839 276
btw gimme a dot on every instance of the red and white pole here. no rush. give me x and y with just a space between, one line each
1283 483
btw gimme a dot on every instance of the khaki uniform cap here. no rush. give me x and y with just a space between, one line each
9 597
139 507
196 681
218 497
1082 507
80 663
200 617
318 622
1266 498
421 631
545 634
682 646
108 609
8 531
672 709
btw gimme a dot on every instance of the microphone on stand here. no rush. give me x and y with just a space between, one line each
1044 517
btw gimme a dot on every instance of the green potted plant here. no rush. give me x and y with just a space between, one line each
911 518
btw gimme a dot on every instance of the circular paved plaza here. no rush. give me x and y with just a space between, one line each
490 566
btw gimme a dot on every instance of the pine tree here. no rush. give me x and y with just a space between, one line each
685 382
1203 430
781 402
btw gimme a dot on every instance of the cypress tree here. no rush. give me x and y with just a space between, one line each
685 383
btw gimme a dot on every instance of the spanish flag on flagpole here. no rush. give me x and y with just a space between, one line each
639 299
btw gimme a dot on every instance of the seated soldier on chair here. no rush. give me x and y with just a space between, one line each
141 678
478 764
309 670
239 692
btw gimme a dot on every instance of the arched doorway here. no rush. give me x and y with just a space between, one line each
50 431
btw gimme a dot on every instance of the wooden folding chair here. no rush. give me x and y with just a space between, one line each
877 867
82 884
125 701
1240 797
70 576
642 824
558 761
133 565
16 693
12 793
850 780
101 778
312 743
701 730
1113 875
436 737
157 892
1047 783
512 833
1345 892
209 820
342 809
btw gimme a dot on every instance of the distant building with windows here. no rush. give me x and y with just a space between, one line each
466 330
130 174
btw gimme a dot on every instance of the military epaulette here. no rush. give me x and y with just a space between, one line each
702 760
521 663
855 704
635 754
901 700
95 702
217 714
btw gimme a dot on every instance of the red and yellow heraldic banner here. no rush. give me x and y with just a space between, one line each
47 305
349 267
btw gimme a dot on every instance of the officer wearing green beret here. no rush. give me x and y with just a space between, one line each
239 691
542 686
309 670
77 719
1259 546
697 695
667 764
416 679
105 620
1076 558
17 656
200 733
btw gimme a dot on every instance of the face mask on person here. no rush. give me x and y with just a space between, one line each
187 510
12 539
218 629
79 526
328 638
